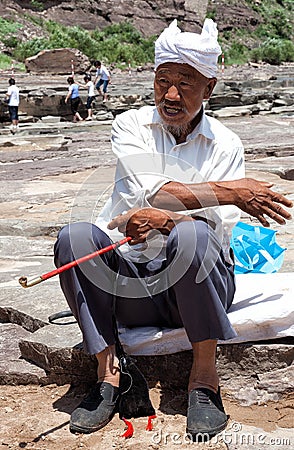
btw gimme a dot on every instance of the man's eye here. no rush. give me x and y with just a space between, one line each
185 84
162 81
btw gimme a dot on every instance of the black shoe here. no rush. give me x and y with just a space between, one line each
96 410
206 415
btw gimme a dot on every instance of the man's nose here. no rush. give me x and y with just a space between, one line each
173 94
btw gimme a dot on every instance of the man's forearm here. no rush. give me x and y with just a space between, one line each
177 196
252 196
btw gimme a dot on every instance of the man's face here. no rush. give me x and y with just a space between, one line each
179 91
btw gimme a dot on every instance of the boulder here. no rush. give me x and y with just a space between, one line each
58 61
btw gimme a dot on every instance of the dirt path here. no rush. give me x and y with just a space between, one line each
36 417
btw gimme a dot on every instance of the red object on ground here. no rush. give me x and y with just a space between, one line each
149 426
130 429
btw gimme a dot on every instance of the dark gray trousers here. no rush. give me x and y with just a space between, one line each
192 287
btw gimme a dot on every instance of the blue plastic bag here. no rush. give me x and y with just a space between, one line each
255 249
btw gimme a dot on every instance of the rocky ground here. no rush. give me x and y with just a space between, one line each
55 171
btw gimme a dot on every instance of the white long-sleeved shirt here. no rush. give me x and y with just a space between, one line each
149 157
103 72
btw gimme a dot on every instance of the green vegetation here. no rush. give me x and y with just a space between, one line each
115 44
122 43
271 41
277 25
25 49
236 53
34 19
37 5
6 63
274 51
211 14
275 33
8 27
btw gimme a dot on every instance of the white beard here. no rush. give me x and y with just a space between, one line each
178 130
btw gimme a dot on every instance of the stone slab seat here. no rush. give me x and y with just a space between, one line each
262 310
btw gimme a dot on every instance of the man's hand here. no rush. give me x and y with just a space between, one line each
138 223
120 222
252 196
256 198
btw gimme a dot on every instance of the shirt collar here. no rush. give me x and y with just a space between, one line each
203 127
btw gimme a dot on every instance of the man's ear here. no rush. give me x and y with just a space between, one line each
209 88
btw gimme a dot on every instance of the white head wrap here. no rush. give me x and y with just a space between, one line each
200 51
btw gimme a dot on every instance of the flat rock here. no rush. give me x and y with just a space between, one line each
31 308
282 166
244 97
264 136
50 119
64 339
14 369
233 111
260 388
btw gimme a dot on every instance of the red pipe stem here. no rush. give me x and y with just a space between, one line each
24 282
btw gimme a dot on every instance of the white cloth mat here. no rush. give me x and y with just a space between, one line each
262 309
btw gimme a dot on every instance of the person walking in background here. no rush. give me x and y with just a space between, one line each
13 101
91 95
73 96
104 74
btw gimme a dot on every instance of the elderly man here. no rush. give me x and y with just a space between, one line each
178 191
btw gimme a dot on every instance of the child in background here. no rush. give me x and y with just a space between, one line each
73 96
91 95
12 96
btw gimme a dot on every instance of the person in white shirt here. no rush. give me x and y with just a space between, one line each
91 95
13 102
179 188
103 74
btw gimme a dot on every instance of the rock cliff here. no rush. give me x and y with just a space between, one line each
148 16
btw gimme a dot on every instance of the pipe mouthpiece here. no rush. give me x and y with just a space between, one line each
23 281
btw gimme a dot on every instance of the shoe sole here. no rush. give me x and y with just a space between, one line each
85 430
